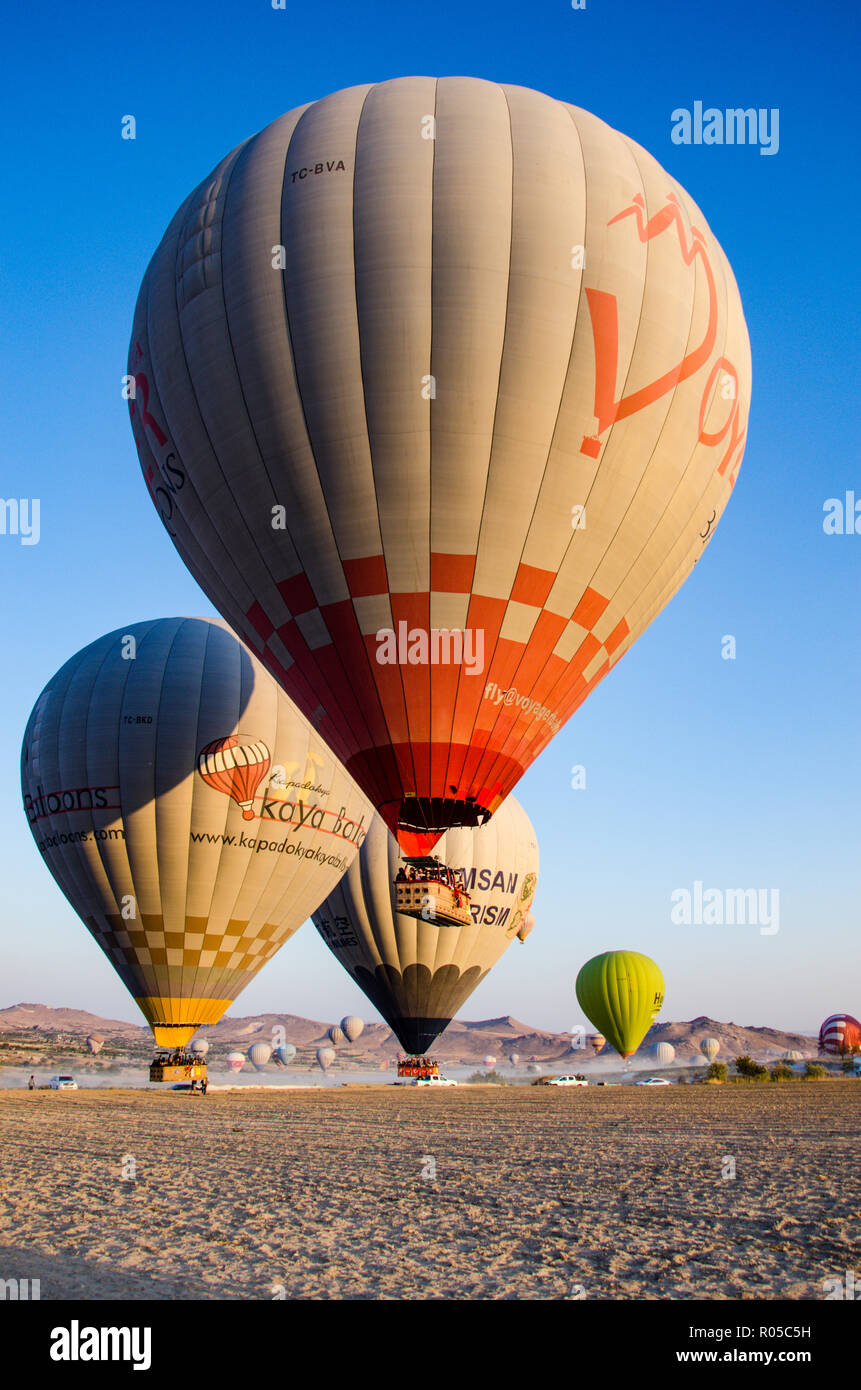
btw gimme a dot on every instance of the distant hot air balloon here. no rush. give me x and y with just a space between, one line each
235 1061
710 1047
285 1054
596 1041
184 898
621 992
95 1043
418 973
514 1058
663 1053
839 1035
235 767
366 457
325 1057
335 1035
200 1047
793 1056
352 1027
526 926
533 1067
258 1055
489 1060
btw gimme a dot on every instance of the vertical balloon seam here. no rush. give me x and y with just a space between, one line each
198 790
72 874
400 669
499 757
78 859
527 737
364 732
168 252
111 642
490 452
230 163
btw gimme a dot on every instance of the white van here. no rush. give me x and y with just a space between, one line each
63 1083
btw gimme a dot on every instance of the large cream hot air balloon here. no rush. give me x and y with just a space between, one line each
419 972
186 896
440 388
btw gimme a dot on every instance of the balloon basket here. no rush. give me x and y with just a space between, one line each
179 1068
418 1068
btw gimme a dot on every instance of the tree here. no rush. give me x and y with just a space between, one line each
745 1066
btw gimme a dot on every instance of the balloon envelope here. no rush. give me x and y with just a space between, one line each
325 1057
375 453
621 993
285 1053
95 1043
514 1058
489 1060
352 1027
525 926
664 1053
335 1035
710 1047
200 1047
258 1055
417 974
152 846
840 1034
596 1041
235 1061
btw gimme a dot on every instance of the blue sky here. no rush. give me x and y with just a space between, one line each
739 773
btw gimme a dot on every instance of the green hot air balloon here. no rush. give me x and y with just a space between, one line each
621 993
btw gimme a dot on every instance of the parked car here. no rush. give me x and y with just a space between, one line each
653 1081
567 1081
435 1081
63 1083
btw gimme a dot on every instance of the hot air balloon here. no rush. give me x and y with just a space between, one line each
621 992
710 1047
489 1060
514 1058
235 1061
95 1043
325 1057
237 767
285 1053
839 1035
417 973
525 926
793 1056
200 1047
185 898
258 1055
596 1041
352 1027
375 458
663 1053
335 1035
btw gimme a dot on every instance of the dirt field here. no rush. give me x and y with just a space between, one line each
605 1193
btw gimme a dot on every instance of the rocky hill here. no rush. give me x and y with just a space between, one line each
463 1041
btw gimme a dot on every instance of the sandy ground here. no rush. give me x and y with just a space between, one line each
536 1192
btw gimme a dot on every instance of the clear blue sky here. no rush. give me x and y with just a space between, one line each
737 773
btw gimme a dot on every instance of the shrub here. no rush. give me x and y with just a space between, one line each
487 1078
781 1072
814 1072
745 1066
718 1071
